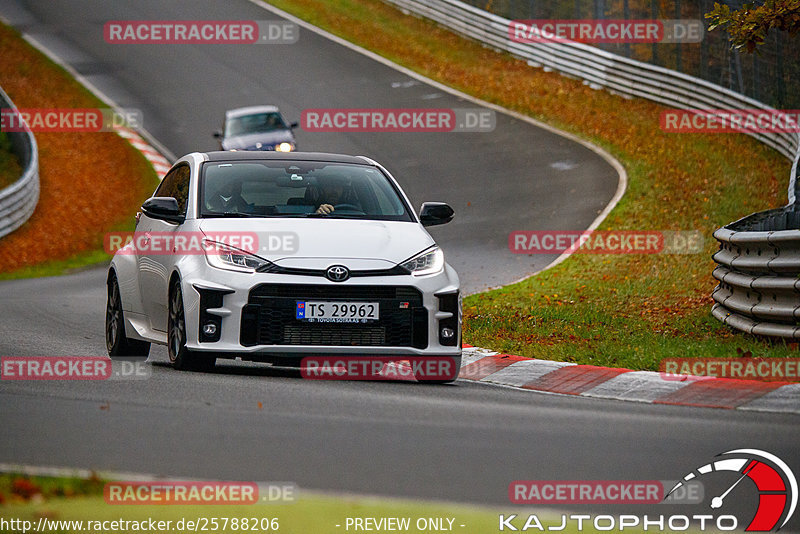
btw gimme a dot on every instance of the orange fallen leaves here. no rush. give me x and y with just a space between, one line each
90 182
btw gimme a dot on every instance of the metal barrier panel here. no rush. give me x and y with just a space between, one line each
18 201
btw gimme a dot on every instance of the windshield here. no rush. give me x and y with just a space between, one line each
299 189
255 123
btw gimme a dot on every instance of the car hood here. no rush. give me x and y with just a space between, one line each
274 137
318 243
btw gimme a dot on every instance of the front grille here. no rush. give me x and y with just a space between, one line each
271 268
269 317
336 335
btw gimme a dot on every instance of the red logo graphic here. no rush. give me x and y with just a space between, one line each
587 242
179 243
184 31
585 491
378 120
776 484
730 120
378 368
180 493
55 368
764 369
586 31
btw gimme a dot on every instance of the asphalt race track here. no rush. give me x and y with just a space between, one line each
465 442
516 178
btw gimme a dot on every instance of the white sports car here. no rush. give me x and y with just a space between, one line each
271 256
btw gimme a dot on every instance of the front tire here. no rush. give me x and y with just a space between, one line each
181 357
118 345
449 377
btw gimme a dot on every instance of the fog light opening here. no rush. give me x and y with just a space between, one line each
209 329
448 333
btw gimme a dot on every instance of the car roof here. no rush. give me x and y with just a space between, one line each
238 112
254 155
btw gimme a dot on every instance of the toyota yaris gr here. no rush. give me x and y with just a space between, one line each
270 256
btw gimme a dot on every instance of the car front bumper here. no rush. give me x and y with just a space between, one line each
256 324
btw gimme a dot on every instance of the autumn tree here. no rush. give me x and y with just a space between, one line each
749 26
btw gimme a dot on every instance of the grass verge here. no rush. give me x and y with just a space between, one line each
70 500
91 183
613 310
73 499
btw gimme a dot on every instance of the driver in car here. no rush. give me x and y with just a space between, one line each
229 200
332 192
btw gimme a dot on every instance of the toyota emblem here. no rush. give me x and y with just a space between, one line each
337 273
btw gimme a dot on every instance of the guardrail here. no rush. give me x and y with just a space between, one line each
18 201
759 256
599 68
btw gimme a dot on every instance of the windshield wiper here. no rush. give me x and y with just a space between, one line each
337 215
259 215
229 215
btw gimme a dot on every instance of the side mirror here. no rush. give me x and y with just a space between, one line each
433 213
217 134
294 125
163 208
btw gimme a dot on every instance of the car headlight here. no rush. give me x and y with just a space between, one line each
430 261
284 147
224 256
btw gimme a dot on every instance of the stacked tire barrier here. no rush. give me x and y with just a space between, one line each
18 201
759 256
759 272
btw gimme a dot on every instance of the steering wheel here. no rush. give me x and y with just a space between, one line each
350 207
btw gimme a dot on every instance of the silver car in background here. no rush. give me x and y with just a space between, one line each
256 128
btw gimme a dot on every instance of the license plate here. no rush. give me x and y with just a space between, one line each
327 311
